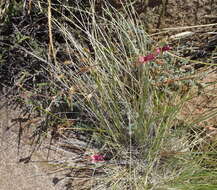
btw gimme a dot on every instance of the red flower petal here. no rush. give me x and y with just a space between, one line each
158 51
97 158
141 59
151 56
147 58
166 48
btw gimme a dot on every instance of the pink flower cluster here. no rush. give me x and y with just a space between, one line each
152 56
97 158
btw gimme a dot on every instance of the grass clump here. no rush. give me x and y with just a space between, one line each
97 87
131 113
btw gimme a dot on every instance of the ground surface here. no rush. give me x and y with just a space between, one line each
43 170
15 175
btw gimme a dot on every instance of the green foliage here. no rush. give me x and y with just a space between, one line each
10 9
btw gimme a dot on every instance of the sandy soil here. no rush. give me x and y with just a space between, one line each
16 175
42 170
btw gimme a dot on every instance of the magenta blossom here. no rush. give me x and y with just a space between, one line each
166 48
158 51
147 58
151 56
163 49
97 158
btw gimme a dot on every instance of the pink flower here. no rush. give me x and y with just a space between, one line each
158 51
163 49
97 158
151 56
141 59
147 58
166 48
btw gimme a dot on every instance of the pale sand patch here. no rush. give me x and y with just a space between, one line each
15 175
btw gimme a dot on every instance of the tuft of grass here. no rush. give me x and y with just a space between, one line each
128 110
130 117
